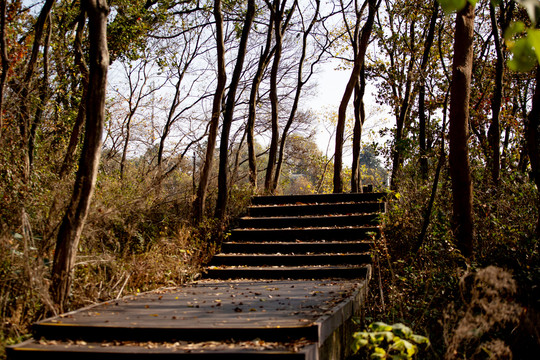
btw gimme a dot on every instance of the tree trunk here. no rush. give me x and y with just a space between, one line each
200 200
359 118
533 140
353 79
223 186
81 113
73 221
24 116
264 60
43 96
278 10
299 85
459 130
494 132
408 98
5 60
435 185
422 92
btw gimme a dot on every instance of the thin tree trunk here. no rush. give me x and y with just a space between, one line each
359 118
24 117
494 132
533 140
278 10
459 131
43 95
223 186
300 84
422 92
81 113
342 111
5 61
442 158
169 121
397 157
264 60
200 200
74 219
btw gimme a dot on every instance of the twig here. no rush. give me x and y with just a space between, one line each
123 286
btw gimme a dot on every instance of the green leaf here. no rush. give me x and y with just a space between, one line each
358 344
405 347
361 335
419 339
523 56
380 326
378 353
515 27
399 357
389 336
401 330
534 40
450 6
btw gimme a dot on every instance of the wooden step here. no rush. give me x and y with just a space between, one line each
69 350
307 221
280 235
296 247
285 272
320 209
318 198
289 260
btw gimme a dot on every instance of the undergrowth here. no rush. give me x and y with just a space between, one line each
139 236
422 288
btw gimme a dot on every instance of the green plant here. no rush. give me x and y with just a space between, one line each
384 341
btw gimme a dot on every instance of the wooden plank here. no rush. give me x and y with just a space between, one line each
318 198
296 247
283 272
207 310
341 233
290 260
308 221
321 209
32 349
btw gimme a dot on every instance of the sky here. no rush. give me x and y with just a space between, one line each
330 89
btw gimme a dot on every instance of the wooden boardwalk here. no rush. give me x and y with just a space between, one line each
286 295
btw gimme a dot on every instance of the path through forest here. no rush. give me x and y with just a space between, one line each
286 285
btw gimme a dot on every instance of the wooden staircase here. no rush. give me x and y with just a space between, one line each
302 237
288 281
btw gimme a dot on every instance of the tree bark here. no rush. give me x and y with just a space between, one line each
300 84
75 216
223 186
359 118
5 60
264 60
278 9
200 200
435 185
81 113
373 5
24 117
459 131
408 98
494 132
533 140
422 92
